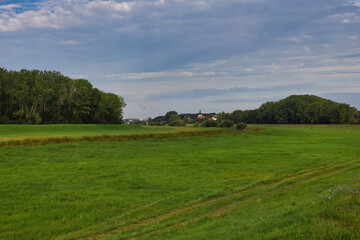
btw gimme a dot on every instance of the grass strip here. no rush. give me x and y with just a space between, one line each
113 138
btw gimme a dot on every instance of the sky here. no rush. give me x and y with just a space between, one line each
190 55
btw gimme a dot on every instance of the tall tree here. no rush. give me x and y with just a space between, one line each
49 97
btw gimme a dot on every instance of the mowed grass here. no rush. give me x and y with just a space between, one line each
35 135
269 184
78 131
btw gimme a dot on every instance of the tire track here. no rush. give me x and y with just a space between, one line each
196 206
227 207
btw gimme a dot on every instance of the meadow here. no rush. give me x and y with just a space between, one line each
282 182
78 131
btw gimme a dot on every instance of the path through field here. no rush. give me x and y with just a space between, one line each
220 205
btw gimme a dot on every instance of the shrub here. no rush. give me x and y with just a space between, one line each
241 126
190 121
155 124
4 120
226 123
177 123
209 123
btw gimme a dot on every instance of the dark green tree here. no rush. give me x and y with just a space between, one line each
169 114
49 97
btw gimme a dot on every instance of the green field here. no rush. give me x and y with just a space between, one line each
19 132
269 184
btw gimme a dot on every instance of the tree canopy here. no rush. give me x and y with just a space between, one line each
33 96
299 109
295 109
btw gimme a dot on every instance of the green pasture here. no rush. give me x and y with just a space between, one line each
19 132
269 184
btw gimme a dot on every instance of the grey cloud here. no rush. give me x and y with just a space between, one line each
212 92
352 98
356 55
247 100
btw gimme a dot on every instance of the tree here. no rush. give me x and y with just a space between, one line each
241 126
226 123
177 122
301 109
209 123
169 114
112 106
174 117
237 116
49 97
222 116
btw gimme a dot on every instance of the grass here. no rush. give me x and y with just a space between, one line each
266 184
20 132
34 135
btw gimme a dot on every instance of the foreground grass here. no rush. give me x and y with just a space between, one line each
250 185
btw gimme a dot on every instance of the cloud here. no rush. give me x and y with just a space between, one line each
188 54
355 3
297 39
229 92
70 42
352 98
247 99
164 75
346 17
354 55
9 7
62 14
78 76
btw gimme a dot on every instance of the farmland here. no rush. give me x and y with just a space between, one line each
28 135
76 131
283 182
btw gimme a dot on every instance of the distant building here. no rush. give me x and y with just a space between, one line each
128 121
132 121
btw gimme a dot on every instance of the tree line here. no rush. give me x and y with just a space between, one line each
42 97
187 117
297 109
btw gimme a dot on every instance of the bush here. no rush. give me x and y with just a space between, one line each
209 123
241 126
177 123
190 121
4 120
226 123
162 123
155 124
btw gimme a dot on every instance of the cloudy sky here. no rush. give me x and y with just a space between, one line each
187 55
